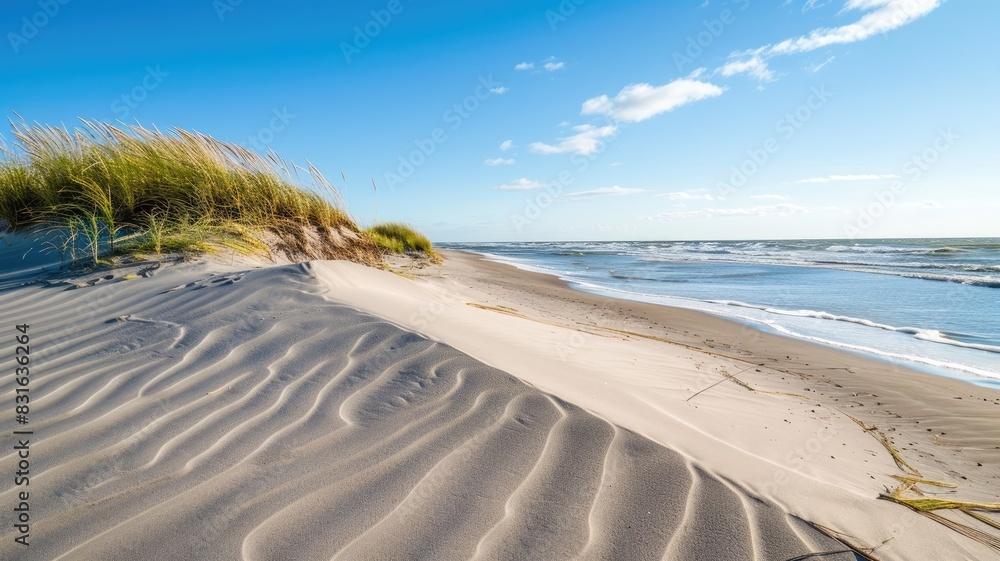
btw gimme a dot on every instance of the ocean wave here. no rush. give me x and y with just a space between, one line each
970 280
624 276
986 281
755 253
966 267
927 335
890 249
895 356
939 337
930 335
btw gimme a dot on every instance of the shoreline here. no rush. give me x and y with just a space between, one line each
970 374
555 284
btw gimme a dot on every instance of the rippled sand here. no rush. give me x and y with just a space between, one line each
248 416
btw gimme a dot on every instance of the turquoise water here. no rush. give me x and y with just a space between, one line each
933 304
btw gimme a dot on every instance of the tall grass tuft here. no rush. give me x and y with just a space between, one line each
396 237
108 188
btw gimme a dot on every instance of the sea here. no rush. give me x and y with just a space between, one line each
930 304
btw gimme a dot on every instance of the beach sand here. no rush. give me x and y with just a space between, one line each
212 410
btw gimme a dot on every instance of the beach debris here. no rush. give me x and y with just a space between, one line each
849 541
926 506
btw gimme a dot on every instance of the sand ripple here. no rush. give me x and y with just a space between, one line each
247 417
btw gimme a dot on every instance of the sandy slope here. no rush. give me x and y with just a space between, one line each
207 414
788 431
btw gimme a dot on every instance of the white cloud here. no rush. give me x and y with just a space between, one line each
586 141
754 66
639 102
697 73
601 192
829 178
506 145
523 184
553 66
699 195
880 16
817 67
775 210
931 204
769 197
524 66
810 4
499 162
499 91
634 103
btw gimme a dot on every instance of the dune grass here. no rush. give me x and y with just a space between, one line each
108 189
396 237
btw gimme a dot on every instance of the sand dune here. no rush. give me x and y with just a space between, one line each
785 426
244 416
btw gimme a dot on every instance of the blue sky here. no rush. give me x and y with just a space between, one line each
561 120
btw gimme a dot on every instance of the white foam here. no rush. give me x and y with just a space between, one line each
895 356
